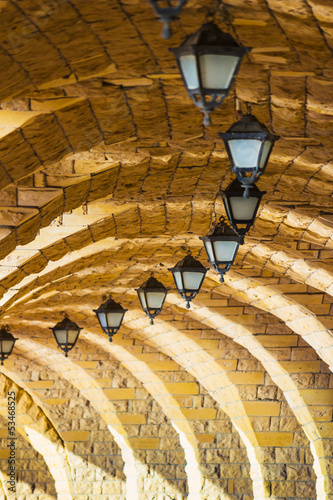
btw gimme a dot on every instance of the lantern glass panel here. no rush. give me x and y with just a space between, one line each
192 281
243 208
114 319
61 336
225 250
189 66
72 334
7 346
178 279
209 250
142 298
245 152
217 70
155 299
265 152
102 319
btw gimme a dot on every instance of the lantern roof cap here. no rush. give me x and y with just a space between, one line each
189 262
66 324
152 283
220 229
210 35
110 305
5 335
249 124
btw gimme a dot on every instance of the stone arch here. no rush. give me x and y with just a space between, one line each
40 432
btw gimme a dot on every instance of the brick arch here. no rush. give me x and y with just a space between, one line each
225 393
104 407
281 374
34 426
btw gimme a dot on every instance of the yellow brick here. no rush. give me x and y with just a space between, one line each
119 393
55 401
147 357
208 343
262 408
40 384
3 433
4 453
317 397
102 382
205 438
87 364
278 340
326 429
182 388
301 366
247 378
75 435
199 413
144 443
164 366
132 418
274 438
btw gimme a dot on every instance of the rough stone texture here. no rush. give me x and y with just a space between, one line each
107 174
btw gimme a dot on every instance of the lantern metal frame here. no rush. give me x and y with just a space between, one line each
235 189
188 264
6 336
209 39
154 286
167 14
109 306
248 128
66 324
221 232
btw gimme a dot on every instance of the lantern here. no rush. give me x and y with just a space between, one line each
241 211
188 274
152 295
7 342
110 316
209 61
167 11
221 244
66 333
249 145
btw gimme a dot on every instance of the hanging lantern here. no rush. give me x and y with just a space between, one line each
152 295
188 274
241 211
249 145
221 244
7 342
167 11
110 316
66 333
208 61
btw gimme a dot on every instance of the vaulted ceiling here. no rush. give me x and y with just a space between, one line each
107 174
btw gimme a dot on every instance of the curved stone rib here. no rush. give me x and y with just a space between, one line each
156 387
80 379
297 317
34 426
280 376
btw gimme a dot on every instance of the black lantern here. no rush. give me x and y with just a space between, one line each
152 295
167 11
110 316
221 244
209 61
241 211
66 333
249 144
188 274
7 342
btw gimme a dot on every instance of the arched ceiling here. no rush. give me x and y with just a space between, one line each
107 174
